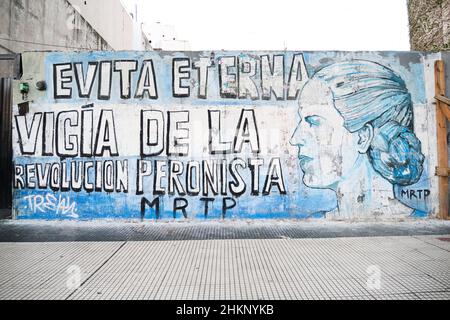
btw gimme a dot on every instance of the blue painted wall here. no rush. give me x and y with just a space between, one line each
217 107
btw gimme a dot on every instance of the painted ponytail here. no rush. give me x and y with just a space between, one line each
365 92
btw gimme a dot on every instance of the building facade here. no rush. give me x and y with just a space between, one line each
123 32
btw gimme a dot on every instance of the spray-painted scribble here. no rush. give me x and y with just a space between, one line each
59 205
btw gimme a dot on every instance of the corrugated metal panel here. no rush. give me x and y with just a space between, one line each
5 143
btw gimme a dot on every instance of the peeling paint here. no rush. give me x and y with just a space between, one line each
128 135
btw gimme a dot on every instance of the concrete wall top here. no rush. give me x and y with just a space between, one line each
112 21
225 134
45 25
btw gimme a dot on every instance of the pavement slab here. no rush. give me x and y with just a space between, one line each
358 268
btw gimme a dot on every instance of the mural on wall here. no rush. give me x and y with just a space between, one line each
197 135
356 137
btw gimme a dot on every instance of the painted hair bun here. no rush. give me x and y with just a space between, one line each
395 153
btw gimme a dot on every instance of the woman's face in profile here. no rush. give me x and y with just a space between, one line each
327 150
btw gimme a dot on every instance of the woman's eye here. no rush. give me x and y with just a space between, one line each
313 121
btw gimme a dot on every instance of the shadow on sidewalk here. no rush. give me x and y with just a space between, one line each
5 214
59 231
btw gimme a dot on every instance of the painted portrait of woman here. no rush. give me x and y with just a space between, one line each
355 136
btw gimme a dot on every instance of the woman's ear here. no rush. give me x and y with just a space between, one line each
365 137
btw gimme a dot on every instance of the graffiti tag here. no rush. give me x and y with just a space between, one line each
51 203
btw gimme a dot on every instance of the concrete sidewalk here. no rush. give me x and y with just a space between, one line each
122 231
388 267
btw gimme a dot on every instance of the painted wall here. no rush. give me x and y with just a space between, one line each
342 135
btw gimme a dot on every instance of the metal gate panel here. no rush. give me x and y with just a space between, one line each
5 143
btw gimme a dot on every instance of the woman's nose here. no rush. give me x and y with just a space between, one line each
297 137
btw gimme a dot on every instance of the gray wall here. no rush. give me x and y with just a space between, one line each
32 25
117 30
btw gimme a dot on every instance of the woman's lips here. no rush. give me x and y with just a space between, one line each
304 160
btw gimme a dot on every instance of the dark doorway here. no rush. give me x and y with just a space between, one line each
5 147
